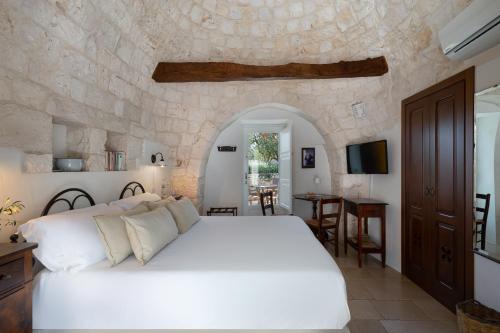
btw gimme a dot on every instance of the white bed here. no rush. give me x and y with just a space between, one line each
224 273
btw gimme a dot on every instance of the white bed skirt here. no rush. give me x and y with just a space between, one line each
224 273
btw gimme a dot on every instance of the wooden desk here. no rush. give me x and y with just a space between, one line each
314 198
363 209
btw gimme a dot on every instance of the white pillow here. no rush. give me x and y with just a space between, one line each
67 241
131 202
150 232
152 205
89 209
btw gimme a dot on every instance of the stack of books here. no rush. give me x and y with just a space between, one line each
115 161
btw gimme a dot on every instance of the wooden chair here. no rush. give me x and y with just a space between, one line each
482 222
327 222
222 211
275 182
266 196
253 195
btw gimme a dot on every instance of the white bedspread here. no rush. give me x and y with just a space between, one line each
224 273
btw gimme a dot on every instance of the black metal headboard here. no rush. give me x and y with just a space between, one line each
132 187
58 198
71 203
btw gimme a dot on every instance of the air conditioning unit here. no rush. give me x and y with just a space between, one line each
474 30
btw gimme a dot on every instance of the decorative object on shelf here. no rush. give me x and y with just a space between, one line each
161 161
226 148
116 161
308 158
9 209
68 164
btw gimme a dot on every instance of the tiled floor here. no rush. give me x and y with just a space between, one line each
384 301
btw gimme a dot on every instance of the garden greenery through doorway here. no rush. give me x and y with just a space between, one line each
263 165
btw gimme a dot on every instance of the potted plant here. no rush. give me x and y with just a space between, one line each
9 209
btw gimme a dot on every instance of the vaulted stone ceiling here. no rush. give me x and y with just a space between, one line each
280 31
90 62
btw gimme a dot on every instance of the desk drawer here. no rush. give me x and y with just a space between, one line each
11 274
372 211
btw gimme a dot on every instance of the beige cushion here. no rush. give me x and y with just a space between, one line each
152 205
184 212
114 236
150 232
133 201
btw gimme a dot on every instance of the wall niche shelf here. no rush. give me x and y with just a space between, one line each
93 146
83 172
75 140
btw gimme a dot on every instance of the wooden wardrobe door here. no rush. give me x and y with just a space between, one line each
447 194
437 194
417 152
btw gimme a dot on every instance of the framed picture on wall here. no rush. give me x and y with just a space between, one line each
308 158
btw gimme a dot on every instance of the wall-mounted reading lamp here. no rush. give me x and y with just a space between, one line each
161 161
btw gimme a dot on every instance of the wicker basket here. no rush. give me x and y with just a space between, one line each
473 317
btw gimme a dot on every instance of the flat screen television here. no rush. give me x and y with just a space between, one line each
367 158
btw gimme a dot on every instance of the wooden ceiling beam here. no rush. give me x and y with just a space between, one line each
227 71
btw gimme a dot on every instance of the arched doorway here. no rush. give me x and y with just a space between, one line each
225 171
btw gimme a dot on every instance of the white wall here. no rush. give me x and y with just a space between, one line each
387 188
487 128
59 149
487 68
486 282
224 171
487 272
35 190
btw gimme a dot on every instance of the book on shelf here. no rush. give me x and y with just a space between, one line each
115 161
119 161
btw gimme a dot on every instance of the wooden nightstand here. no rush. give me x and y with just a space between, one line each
15 286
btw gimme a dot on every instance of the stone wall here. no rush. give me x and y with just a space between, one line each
89 63
65 62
